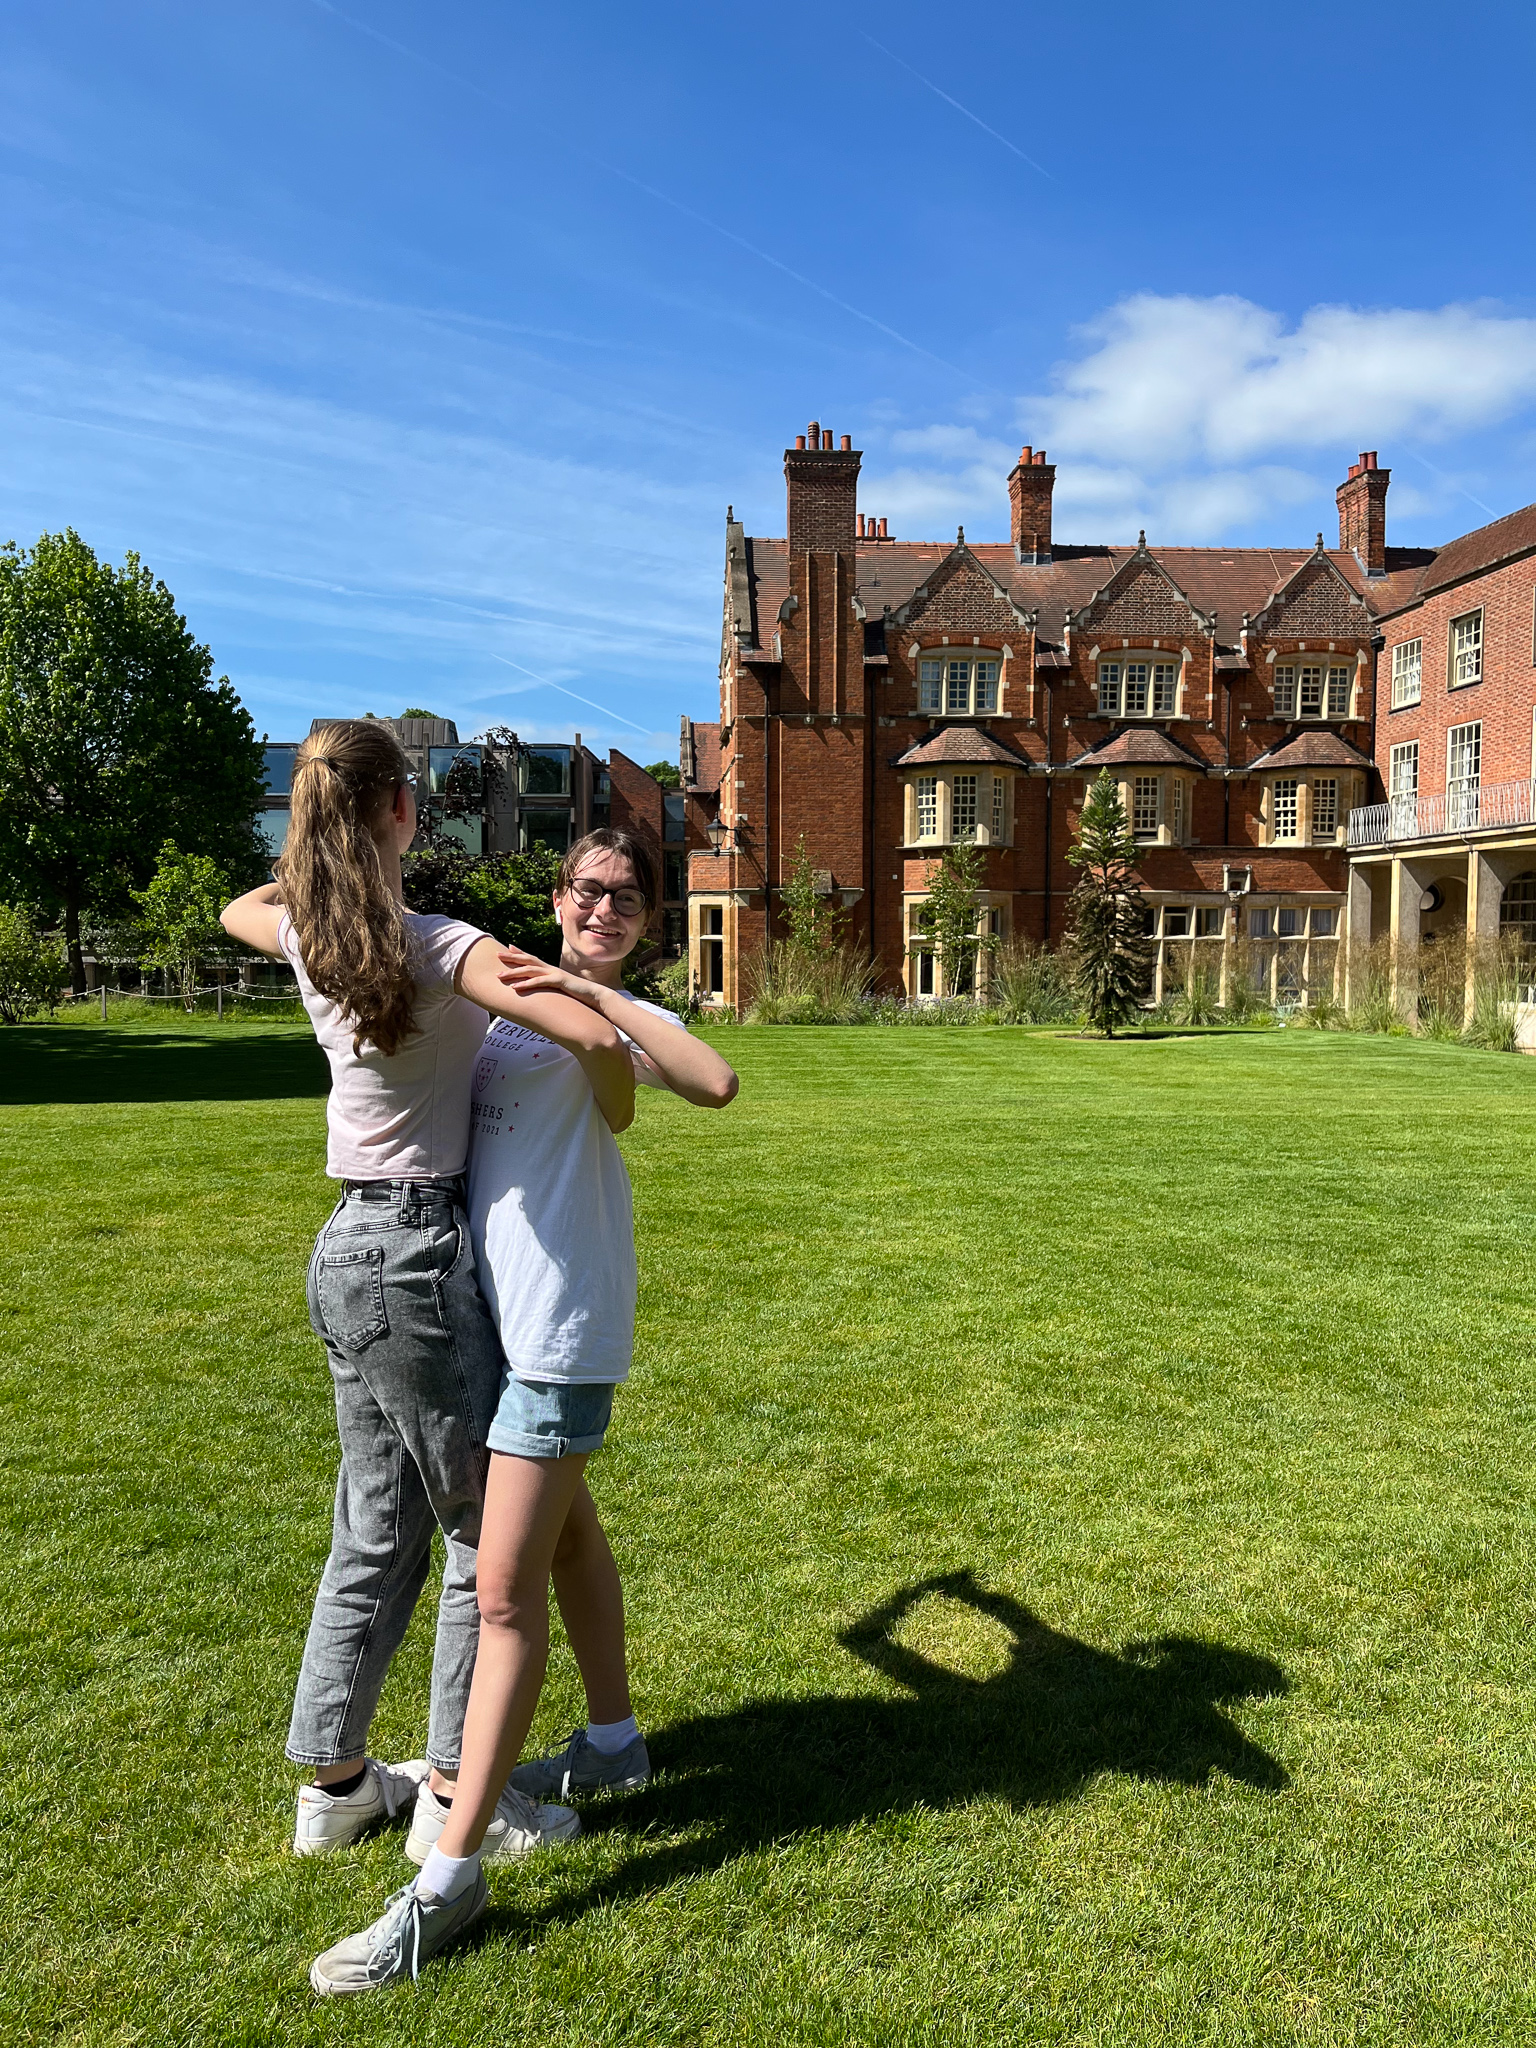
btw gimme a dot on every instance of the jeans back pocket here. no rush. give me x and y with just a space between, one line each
350 1286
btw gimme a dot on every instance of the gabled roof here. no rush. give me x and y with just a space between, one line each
958 561
1137 746
1319 749
1321 579
1220 582
1141 564
706 756
1501 541
960 745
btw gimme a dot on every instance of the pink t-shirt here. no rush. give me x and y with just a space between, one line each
404 1116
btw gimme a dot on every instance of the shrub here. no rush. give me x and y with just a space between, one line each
671 984
1500 976
1032 986
786 984
33 969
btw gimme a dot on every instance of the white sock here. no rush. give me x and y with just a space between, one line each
447 1875
609 1737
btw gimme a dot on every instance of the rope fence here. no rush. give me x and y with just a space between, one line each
231 992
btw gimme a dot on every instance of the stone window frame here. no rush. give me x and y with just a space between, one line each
1461 660
1288 688
1408 661
943 660
943 779
1175 814
704 931
1152 659
1346 794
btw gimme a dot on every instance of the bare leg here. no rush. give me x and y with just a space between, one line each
527 1501
592 1608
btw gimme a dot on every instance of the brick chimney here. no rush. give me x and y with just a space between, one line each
1362 501
823 489
1030 485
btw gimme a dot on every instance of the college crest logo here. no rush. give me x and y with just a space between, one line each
484 1071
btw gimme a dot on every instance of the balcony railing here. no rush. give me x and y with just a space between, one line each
1486 807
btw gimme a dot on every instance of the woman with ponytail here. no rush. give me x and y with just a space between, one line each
399 1003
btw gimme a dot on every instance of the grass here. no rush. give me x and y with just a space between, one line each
1075 1505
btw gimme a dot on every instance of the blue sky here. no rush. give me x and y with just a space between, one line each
420 349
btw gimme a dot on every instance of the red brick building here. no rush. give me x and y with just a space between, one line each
882 698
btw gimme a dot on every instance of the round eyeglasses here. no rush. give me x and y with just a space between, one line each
627 902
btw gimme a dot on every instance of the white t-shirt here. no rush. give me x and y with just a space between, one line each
404 1116
549 1209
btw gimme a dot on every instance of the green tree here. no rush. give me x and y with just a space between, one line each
1111 957
415 711
113 736
952 913
179 915
33 970
506 894
664 772
815 920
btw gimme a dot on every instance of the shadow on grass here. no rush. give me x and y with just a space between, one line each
85 1065
1041 1730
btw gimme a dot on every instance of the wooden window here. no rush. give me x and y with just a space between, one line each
957 687
1287 807
1175 920
1466 650
711 949
963 798
1165 689
1146 792
1178 810
1338 693
987 674
999 809
1407 674
1210 921
1310 693
1285 693
1109 689
927 807
1137 682
1463 776
1261 924
1325 922
1325 807
930 686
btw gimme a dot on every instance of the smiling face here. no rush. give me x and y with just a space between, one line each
598 935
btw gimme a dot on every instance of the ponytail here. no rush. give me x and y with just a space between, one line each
350 926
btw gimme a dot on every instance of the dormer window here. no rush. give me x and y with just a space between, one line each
1136 688
1312 689
959 686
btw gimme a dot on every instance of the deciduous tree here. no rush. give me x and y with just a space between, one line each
179 915
113 736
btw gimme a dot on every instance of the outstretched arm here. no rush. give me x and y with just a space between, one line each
689 1067
589 1037
253 919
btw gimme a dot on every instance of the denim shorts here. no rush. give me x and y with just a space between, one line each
549 1418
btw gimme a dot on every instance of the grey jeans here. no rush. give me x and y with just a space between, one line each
417 1368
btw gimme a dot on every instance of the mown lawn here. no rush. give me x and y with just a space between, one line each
1075 1502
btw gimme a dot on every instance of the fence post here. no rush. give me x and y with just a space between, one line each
221 1002
103 1002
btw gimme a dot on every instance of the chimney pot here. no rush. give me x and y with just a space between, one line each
1039 458
882 530
861 526
813 433
1026 455
847 444
799 440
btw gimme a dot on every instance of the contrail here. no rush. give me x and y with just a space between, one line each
665 199
590 702
1449 480
951 102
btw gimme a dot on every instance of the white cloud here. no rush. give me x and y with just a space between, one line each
1177 380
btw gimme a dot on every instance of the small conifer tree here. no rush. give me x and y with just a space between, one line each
815 921
1111 957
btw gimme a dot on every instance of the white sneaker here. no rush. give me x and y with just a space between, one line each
326 1822
412 1928
519 1826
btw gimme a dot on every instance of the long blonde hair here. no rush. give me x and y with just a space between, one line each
350 925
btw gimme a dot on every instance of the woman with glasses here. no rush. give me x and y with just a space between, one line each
550 1212
399 1003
